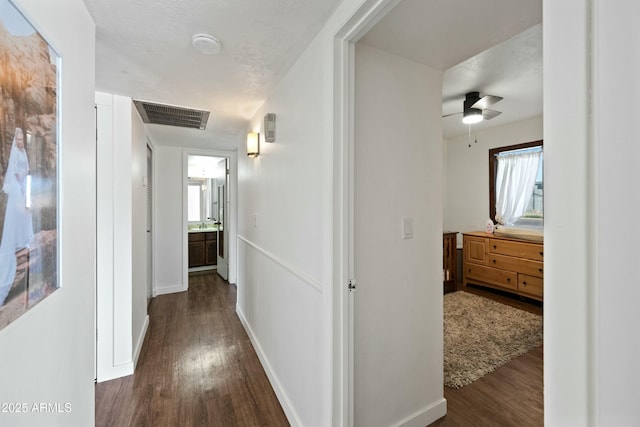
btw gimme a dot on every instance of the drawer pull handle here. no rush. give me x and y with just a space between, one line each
509 279
524 283
541 253
495 247
494 261
540 270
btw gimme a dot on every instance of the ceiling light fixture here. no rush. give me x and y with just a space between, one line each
471 116
206 44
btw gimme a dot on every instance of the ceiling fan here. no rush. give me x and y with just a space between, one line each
475 108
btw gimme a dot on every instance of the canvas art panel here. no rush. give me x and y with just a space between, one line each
29 129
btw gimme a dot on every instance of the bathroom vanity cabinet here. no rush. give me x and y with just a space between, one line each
203 248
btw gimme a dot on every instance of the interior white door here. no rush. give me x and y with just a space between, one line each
223 243
149 225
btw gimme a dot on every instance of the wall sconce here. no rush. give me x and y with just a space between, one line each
253 144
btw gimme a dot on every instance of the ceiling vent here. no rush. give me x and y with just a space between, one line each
161 114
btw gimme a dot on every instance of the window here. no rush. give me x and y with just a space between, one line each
527 160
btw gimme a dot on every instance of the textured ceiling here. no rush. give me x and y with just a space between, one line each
143 50
493 47
511 69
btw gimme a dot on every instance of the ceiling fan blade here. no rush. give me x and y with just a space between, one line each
490 114
486 101
452 114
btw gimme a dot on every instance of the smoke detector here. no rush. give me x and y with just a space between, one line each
206 44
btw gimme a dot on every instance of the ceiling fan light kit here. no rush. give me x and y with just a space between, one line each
471 116
475 108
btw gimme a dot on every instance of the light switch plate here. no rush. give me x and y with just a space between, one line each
407 228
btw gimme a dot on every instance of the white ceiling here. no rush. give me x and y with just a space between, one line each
143 50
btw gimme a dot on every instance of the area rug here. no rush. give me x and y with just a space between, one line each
481 335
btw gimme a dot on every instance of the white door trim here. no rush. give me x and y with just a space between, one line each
358 25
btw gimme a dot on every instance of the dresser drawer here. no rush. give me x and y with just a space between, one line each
517 249
503 278
519 265
530 285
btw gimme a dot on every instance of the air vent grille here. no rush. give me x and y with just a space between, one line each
162 114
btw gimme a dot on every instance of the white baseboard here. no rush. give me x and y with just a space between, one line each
113 372
140 342
169 290
287 407
426 415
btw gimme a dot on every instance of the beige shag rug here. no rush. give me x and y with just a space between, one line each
481 335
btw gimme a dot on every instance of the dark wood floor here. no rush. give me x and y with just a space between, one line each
197 367
512 395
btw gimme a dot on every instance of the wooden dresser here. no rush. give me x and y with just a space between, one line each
508 264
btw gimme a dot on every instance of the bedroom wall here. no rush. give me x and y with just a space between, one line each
47 354
467 172
397 275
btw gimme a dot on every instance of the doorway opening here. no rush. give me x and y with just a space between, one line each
370 15
208 213
207 183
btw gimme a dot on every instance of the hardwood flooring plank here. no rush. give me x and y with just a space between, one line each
197 367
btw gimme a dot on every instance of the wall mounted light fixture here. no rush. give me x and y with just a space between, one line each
253 144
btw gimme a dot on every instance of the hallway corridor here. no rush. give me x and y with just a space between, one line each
197 367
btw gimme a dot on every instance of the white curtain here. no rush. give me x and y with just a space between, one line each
515 178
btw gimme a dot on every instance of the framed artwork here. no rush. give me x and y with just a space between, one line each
29 131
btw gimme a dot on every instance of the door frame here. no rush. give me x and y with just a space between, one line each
151 248
369 14
232 156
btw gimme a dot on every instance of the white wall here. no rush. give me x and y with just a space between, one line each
113 297
121 247
617 65
47 354
568 232
284 208
398 301
591 205
168 214
139 283
467 172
